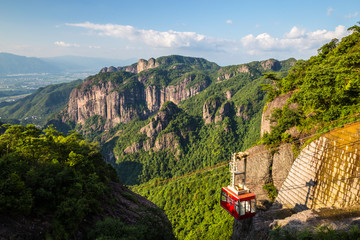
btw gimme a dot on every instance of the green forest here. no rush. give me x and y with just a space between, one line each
63 180
326 89
192 204
64 176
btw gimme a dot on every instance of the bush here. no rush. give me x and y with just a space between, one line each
271 191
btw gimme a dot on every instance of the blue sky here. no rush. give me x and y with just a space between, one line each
226 32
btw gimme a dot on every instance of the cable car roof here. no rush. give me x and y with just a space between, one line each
241 196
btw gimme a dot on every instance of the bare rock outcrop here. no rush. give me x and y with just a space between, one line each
138 67
157 96
160 121
241 111
223 75
258 166
118 105
283 160
167 141
101 99
278 102
223 112
271 64
144 65
209 109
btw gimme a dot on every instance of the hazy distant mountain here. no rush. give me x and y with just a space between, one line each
75 63
15 64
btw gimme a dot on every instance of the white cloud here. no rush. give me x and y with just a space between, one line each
94 47
64 44
296 40
329 11
295 32
352 15
229 21
169 39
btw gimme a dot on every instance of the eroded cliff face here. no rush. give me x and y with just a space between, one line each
138 67
154 142
321 178
116 103
103 100
157 96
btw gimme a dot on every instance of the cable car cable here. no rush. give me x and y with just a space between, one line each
224 163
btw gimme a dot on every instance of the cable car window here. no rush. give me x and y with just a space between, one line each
247 206
231 201
253 204
242 208
223 196
237 208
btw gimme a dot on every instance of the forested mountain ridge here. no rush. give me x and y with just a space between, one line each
38 107
324 88
181 115
127 111
307 136
212 112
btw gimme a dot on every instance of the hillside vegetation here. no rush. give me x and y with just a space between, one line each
326 88
38 107
186 142
56 186
192 204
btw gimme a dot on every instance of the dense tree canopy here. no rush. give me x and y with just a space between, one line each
326 88
43 172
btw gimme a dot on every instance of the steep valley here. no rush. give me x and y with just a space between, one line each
166 124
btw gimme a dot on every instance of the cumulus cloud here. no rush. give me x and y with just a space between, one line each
352 15
169 39
295 40
64 44
229 21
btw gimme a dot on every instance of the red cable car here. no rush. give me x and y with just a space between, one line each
237 199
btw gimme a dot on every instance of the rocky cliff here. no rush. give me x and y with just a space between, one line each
324 175
254 68
119 95
105 99
138 67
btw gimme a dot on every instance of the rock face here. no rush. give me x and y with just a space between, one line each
227 75
156 96
144 65
323 177
241 112
258 227
278 102
258 166
102 100
283 160
121 106
135 68
326 172
209 109
158 123
224 111
271 64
